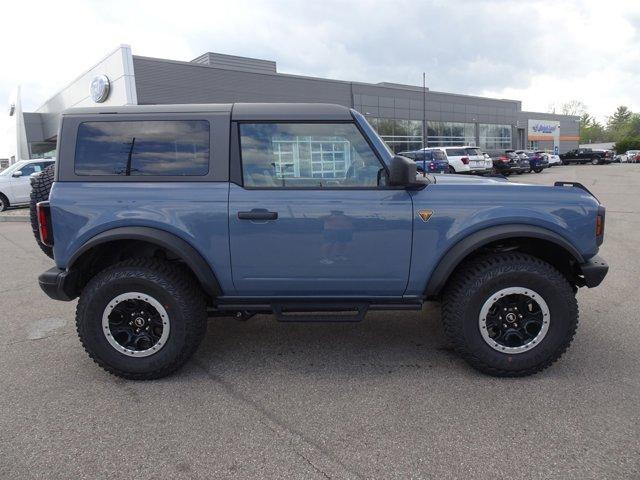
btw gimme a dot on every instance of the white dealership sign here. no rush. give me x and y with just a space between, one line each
544 130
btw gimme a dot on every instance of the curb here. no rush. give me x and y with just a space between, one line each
14 218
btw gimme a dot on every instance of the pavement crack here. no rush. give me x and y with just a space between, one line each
278 426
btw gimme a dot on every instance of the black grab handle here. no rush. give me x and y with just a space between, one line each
258 214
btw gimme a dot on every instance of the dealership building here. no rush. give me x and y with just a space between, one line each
402 114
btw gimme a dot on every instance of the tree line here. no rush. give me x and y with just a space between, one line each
622 127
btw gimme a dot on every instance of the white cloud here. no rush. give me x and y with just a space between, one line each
539 51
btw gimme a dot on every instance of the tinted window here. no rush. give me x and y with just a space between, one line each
30 168
306 155
149 147
456 152
438 155
473 151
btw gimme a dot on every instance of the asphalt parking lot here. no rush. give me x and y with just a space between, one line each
385 398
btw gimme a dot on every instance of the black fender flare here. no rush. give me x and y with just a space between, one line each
454 256
176 245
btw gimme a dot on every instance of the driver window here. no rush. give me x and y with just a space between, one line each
320 155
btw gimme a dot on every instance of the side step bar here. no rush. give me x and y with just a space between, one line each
311 311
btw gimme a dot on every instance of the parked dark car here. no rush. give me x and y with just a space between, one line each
538 160
509 162
429 160
586 155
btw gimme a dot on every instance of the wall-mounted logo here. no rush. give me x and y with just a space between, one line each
544 128
99 88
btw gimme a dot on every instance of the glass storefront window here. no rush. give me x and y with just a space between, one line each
495 137
443 134
400 135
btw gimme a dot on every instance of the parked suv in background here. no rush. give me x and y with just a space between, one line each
429 160
466 159
509 162
163 215
537 159
633 156
14 181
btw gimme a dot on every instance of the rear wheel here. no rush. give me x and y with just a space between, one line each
141 319
451 169
510 314
595 161
538 170
40 188
4 203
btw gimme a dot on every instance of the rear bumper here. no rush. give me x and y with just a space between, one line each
57 284
594 271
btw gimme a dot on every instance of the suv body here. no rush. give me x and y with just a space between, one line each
466 159
510 162
160 215
429 160
14 181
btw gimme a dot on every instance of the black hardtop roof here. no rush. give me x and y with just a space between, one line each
238 111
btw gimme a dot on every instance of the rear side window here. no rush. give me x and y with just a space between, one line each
143 148
456 152
438 155
473 151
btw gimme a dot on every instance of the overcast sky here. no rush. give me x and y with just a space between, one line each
541 52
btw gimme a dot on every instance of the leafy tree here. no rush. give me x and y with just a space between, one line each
618 123
591 130
627 143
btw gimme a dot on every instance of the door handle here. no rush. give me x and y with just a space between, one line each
258 214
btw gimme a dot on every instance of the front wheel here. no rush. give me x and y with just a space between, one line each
538 170
510 314
595 161
141 319
451 169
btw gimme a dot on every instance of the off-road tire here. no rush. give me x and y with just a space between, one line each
40 188
476 281
172 286
4 203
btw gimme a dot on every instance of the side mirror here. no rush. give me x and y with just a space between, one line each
17 174
403 172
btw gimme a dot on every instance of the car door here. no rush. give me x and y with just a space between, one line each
21 186
313 216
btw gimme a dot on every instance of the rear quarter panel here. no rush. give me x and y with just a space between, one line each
193 211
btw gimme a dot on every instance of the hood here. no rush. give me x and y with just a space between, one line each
451 179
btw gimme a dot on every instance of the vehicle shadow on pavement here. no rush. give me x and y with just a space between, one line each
384 342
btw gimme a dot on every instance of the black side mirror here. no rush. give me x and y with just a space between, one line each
403 172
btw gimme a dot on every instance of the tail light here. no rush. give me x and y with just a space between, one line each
43 212
600 225
465 160
432 166
504 159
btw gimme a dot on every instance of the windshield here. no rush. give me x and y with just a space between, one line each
13 168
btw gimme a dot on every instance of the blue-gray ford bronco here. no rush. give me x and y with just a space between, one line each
162 216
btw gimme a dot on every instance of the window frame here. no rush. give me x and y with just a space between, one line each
218 146
236 151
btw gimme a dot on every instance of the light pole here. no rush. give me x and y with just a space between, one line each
424 109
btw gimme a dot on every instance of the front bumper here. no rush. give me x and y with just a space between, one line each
57 284
594 271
